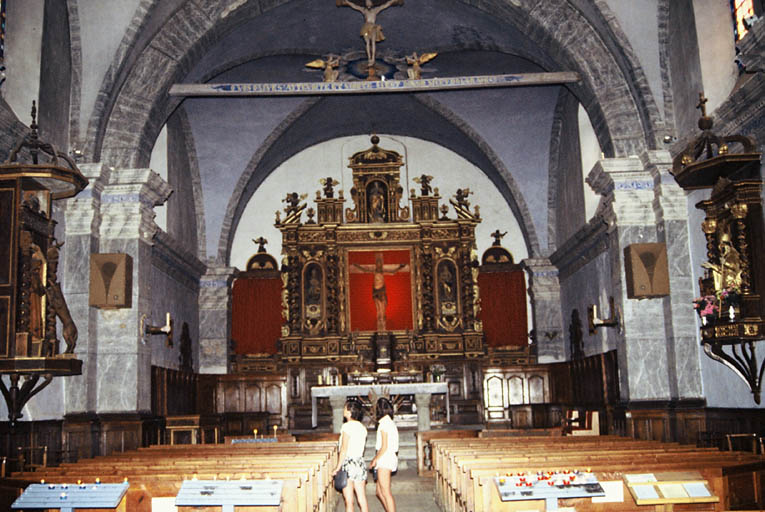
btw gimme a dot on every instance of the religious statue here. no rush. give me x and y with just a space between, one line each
370 30
376 203
293 201
56 297
461 197
446 283
329 66
313 287
727 273
498 235
329 183
424 181
261 243
414 61
37 292
379 296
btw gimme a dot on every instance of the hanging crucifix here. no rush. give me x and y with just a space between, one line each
371 31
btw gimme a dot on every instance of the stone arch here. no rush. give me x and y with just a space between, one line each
613 90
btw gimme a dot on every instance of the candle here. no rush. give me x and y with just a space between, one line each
594 311
732 313
319 380
167 319
275 427
255 432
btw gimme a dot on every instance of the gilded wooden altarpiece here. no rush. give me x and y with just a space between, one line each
428 261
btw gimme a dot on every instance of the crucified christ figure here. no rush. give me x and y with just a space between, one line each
379 296
370 30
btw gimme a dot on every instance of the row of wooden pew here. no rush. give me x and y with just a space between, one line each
158 471
465 468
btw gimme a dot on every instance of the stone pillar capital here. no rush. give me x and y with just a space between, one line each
627 187
128 202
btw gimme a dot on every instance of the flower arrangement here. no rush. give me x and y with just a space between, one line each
730 296
707 307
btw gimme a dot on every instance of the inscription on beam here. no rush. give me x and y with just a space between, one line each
369 87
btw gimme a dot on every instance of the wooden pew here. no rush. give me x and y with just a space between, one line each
158 471
424 451
465 468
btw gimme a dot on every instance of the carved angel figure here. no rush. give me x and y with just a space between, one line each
329 182
461 197
329 66
293 201
424 182
414 71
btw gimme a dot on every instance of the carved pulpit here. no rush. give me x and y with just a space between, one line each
373 289
31 299
732 290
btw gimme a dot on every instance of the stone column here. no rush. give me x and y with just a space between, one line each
337 403
640 204
215 319
82 235
547 318
671 209
422 401
127 226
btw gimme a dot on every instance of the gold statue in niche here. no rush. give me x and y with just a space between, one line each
727 274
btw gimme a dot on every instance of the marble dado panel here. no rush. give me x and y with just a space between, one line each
118 383
76 264
647 368
213 323
213 355
688 367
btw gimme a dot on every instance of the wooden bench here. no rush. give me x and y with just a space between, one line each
424 459
465 468
158 471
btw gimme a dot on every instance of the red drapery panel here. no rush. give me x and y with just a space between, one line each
503 308
256 315
397 285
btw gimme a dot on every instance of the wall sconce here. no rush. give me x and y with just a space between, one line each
613 320
166 329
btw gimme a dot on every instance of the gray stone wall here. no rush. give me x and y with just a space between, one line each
183 176
174 287
55 82
684 65
566 196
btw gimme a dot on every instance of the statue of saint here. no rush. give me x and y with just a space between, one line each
446 282
370 30
376 203
726 274
379 296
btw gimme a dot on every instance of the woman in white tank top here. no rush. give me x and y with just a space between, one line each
353 439
386 459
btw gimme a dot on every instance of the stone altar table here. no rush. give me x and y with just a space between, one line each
338 395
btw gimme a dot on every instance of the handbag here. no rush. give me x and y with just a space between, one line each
341 480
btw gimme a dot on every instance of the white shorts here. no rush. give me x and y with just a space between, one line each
388 461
